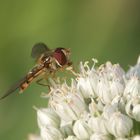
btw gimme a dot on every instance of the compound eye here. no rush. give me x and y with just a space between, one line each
60 56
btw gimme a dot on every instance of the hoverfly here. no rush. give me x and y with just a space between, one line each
47 61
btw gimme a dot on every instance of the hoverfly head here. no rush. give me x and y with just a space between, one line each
61 55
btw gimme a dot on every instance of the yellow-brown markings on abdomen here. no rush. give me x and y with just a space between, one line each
30 78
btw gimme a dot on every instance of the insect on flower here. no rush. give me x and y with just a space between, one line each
48 61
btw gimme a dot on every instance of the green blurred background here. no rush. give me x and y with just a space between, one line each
106 30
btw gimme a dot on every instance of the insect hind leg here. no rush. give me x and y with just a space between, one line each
40 82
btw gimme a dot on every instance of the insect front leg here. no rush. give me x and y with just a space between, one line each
71 69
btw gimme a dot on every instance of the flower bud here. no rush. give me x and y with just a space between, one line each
66 130
50 133
93 108
87 81
109 110
98 125
100 105
135 70
136 112
137 137
138 61
67 103
132 88
107 90
99 136
71 138
65 112
119 102
33 137
69 107
119 125
122 139
81 130
133 108
110 82
47 117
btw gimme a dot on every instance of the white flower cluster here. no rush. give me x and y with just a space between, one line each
102 103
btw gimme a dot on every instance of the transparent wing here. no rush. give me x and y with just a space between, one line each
39 49
13 87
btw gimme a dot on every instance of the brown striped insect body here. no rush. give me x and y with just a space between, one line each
48 61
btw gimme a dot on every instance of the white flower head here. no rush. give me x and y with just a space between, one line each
102 103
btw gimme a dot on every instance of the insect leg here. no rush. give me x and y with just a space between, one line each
71 69
39 82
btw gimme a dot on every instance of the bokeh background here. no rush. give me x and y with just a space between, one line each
106 30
